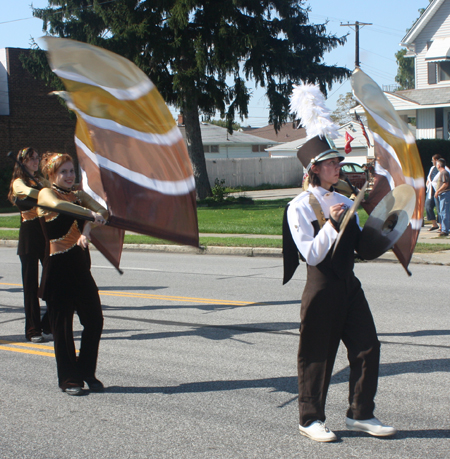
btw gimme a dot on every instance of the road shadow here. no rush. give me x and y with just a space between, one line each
419 333
400 435
215 307
211 332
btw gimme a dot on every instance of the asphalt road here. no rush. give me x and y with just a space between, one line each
198 357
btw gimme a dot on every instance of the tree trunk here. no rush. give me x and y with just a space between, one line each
195 149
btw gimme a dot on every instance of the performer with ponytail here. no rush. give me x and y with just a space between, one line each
333 305
67 284
23 192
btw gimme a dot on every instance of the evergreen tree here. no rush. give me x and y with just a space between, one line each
191 49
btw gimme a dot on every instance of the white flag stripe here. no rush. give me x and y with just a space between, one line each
382 171
416 224
132 93
168 139
89 190
171 188
387 147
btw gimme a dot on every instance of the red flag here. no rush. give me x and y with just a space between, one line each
348 140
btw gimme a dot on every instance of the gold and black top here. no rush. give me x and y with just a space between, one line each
31 238
67 268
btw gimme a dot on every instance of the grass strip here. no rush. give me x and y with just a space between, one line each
12 235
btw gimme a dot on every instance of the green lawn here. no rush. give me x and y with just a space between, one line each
254 217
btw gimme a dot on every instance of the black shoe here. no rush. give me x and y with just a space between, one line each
94 384
73 390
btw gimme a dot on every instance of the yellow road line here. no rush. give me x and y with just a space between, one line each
26 351
176 298
151 296
35 345
49 350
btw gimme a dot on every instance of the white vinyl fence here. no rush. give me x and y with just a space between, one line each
255 171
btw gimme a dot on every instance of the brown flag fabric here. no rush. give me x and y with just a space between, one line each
397 158
132 155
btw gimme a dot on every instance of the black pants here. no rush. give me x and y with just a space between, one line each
73 370
331 311
34 325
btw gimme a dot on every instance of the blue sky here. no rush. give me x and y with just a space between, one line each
378 42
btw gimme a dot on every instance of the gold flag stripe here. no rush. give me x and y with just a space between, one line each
148 113
407 154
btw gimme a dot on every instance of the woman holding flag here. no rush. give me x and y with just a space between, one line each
67 284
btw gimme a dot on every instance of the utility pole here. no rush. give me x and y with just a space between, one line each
356 25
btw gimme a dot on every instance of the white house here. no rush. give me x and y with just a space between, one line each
360 153
428 43
219 144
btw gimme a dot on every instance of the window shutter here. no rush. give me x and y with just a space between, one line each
432 71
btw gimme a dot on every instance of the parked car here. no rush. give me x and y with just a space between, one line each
355 173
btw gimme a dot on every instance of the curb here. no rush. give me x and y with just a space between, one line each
440 258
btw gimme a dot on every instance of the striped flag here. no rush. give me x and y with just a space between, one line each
132 155
397 158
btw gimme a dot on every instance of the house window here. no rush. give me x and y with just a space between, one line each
258 148
444 71
210 148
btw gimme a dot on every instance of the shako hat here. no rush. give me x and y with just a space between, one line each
307 103
317 149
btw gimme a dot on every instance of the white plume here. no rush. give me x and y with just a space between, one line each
308 103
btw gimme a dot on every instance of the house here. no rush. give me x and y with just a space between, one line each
218 143
360 153
428 43
287 132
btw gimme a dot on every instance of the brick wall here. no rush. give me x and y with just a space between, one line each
36 119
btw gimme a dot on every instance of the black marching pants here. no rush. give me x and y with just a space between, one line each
331 311
71 369
34 325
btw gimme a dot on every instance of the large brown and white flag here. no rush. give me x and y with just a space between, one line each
397 158
132 155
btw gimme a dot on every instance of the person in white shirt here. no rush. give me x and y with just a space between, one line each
333 305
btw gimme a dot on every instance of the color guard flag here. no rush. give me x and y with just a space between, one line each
132 155
397 158
348 140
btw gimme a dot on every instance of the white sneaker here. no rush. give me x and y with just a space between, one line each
317 431
47 336
371 426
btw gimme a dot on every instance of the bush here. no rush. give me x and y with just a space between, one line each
218 190
429 147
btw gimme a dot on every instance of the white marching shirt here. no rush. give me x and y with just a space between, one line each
300 216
